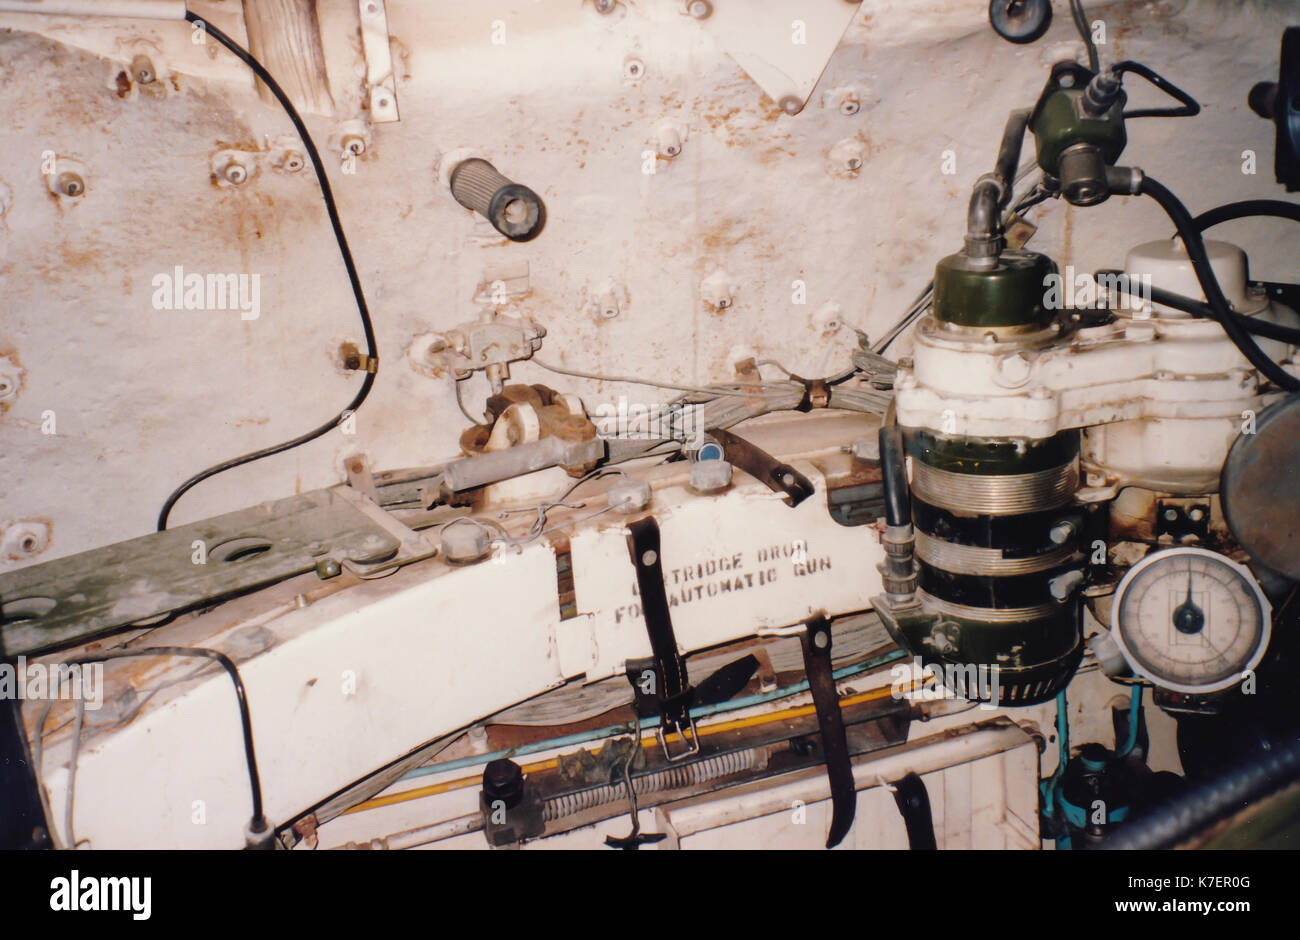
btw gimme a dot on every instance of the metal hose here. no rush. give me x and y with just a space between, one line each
1194 809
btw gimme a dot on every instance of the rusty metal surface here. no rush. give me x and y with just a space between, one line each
144 397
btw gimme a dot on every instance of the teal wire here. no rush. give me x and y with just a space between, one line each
1134 711
1050 785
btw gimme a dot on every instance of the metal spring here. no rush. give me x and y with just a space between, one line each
671 778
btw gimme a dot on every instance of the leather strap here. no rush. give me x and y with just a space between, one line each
816 641
914 803
673 691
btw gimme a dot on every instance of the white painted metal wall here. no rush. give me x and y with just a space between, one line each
142 398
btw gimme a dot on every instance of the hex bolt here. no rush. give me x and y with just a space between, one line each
143 71
70 184
1015 369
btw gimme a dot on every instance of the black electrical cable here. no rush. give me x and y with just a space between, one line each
327 194
1190 106
1218 303
1197 308
1246 209
258 824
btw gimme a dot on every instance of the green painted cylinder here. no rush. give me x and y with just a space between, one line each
1008 295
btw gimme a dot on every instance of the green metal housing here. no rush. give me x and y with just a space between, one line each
1060 123
1010 294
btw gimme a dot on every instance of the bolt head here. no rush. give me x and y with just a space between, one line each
71 184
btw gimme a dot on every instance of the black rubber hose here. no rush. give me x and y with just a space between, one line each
258 822
1218 303
1190 812
898 502
367 328
1196 308
1246 209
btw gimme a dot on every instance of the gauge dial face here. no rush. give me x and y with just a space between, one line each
1191 620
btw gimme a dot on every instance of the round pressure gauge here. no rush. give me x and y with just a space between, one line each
1190 620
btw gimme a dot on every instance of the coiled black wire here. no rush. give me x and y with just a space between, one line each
328 195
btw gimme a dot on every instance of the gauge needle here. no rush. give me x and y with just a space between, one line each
1188 618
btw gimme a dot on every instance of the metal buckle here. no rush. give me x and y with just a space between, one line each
693 745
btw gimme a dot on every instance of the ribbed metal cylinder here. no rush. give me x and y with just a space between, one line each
997 546
513 209
474 182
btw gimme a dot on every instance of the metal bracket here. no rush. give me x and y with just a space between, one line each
78 598
380 84
780 477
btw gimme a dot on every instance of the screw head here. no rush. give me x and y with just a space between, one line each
70 184
700 9
236 174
